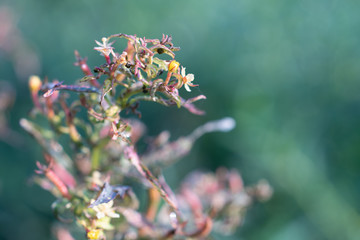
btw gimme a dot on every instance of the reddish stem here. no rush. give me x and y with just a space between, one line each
49 108
35 98
168 76
81 62
107 58
154 201
74 134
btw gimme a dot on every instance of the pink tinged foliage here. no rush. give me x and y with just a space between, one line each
144 171
51 175
88 170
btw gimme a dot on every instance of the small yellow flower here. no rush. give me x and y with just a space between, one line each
105 209
187 79
104 47
93 234
173 66
34 83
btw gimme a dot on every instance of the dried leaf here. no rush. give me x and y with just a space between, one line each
87 78
145 172
50 89
108 193
160 49
191 107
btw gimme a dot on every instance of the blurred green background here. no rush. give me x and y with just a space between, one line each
287 71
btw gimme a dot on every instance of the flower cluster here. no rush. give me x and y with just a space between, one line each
89 181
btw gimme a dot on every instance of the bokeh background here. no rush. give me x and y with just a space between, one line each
287 71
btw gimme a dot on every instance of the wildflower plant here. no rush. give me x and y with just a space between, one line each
91 161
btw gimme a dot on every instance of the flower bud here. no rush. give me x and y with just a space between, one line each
34 83
173 66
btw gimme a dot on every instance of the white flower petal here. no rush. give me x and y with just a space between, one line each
100 215
190 77
113 214
98 43
187 88
183 71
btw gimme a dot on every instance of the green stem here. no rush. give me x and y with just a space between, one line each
147 98
96 153
124 97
